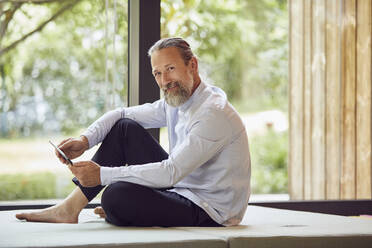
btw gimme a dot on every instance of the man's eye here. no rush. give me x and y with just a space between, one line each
156 74
171 68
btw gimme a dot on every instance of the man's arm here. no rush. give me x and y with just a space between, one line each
148 115
204 140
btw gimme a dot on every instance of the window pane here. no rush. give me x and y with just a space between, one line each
53 85
242 47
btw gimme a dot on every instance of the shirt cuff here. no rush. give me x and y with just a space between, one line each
106 175
89 137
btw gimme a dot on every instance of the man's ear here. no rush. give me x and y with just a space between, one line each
194 63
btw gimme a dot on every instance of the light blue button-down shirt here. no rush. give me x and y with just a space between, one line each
209 161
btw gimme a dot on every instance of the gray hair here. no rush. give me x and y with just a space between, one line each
182 46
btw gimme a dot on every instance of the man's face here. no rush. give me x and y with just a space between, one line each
174 78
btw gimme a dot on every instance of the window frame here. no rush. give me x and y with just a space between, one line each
144 31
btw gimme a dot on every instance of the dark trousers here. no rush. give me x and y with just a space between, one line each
129 204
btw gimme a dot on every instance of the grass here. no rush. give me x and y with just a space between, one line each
44 185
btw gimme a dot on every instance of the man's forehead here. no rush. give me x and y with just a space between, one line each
165 57
166 53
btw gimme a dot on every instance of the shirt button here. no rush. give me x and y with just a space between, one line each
205 204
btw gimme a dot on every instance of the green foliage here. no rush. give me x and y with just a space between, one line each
32 186
269 163
241 45
53 77
59 73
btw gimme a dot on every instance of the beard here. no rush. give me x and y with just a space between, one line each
178 96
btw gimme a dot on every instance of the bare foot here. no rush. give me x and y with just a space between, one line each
65 212
100 212
54 214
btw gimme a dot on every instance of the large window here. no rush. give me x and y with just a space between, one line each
242 47
70 71
63 64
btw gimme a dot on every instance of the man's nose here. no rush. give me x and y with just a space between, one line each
165 79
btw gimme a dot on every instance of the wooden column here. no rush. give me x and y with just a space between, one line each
348 100
330 99
363 102
296 99
333 100
307 157
318 100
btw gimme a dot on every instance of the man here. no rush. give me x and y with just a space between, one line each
205 179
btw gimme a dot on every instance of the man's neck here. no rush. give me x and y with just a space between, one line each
196 84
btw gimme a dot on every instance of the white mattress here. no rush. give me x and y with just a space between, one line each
261 227
269 227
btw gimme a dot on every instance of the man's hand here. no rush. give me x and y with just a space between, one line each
73 148
87 172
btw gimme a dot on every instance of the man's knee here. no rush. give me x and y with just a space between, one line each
119 200
128 126
124 129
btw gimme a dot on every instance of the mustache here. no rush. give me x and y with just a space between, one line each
170 85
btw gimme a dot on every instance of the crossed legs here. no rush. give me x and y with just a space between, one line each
123 203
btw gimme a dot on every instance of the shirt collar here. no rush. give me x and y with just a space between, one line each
184 107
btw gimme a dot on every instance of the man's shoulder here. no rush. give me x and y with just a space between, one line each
217 104
216 110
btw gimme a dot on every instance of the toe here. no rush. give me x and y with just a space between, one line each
21 216
98 210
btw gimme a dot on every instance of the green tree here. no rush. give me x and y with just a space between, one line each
58 73
242 45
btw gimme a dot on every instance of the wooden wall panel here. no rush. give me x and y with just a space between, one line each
318 100
307 159
333 99
330 99
348 97
363 94
296 106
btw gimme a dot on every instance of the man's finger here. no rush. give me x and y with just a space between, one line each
64 146
63 142
81 164
60 157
